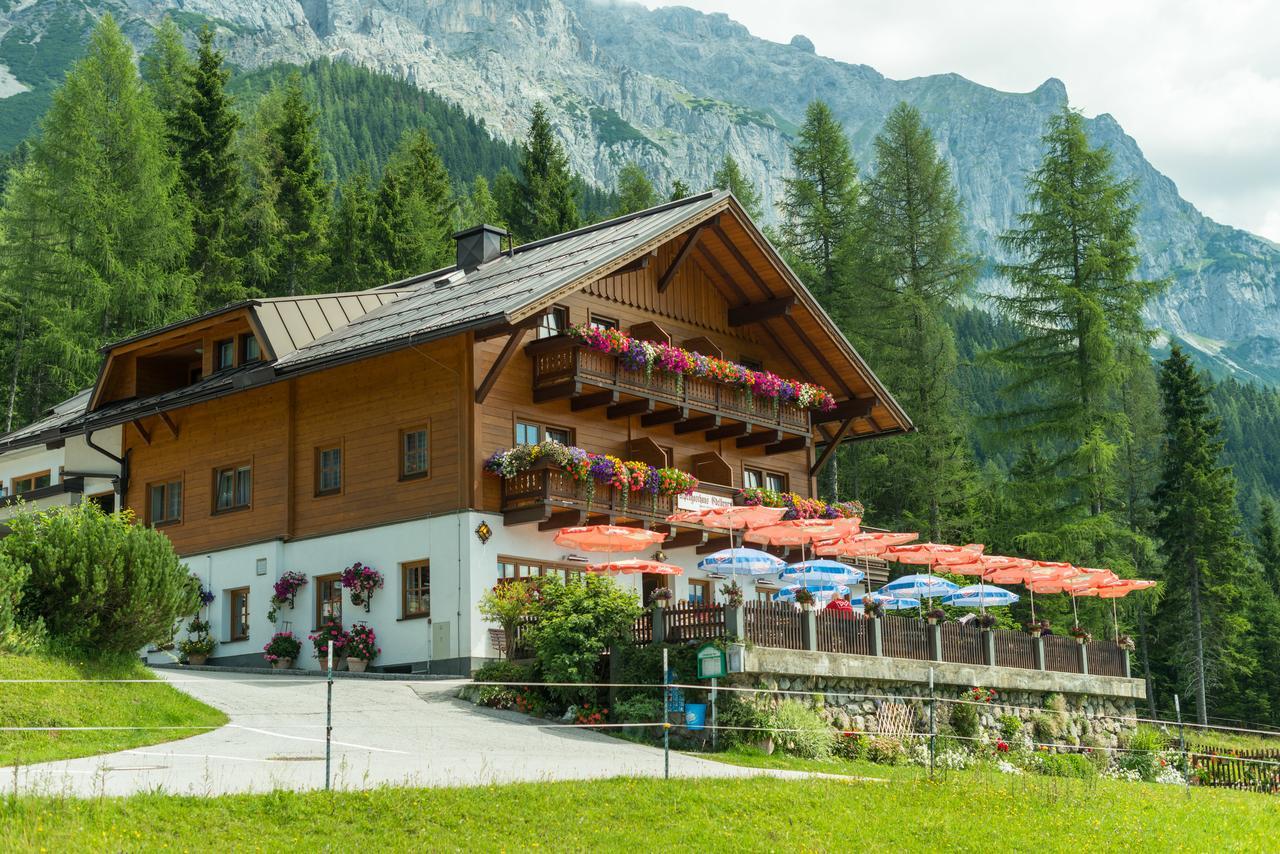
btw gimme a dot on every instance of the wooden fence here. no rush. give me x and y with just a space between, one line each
962 644
775 624
1015 649
1106 658
686 621
841 631
1061 654
904 637
1254 771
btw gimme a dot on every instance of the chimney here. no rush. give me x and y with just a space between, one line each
478 244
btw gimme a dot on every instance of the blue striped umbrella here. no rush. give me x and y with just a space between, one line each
922 586
821 592
742 561
980 596
891 603
819 570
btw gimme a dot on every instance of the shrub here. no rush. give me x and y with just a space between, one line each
850 745
508 604
330 630
801 731
99 582
283 645
885 750
1045 727
362 643
13 576
503 671
1010 727
964 720
748 717
639 710
1067 765
497 697
1141 754
578 621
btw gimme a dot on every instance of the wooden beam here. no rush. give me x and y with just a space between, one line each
142 431
508 350
569 388
507 328
693 425
755 312
857 407
561 519
536 513
168 422
630 407
684 539
795 443
670 272
726 431
591 401
641 263
831 447
762 437
664 416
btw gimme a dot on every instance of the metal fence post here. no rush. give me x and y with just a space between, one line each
328 721
666 718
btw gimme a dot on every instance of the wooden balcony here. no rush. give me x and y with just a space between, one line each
549 496
562 368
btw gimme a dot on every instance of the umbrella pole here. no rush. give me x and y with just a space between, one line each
1033 603
1115 622
1074 613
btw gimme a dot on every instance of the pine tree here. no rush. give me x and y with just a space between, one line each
679 190
203 129
911 267
356 264
165 67
545 198
820 206
729 177
415 209
635 190
1267 536
1197 522
94 236
301 196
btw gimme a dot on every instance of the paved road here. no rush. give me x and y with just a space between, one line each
385 733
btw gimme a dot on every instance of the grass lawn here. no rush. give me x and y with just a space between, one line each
80 704
962 812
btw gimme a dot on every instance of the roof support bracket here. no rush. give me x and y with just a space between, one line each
857 407
508 350
142 431
831 447
670 272
168 422
795 443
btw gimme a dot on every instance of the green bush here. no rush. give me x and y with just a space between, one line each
850 745
638 709
13 576
1141 753
503 671
578 621
801 731
1067 765
100 583
964 720
1010 727
1147 738
885 750
497 697
746 720
1045 727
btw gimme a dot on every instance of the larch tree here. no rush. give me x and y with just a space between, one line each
635 190
545 200
729 177
910 267
165 67
203 129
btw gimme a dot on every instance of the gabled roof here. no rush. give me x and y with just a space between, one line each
291 323
50 427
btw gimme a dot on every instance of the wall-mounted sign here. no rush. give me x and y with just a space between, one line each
711 662
702 501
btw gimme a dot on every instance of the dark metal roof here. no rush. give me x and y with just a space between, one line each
49 428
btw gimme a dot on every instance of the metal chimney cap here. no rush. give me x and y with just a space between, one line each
475 229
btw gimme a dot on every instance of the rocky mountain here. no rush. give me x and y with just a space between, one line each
674 90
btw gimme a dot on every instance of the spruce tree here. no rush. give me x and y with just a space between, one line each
635 190
911 267
545 197
729 177
506 195
203 129
1267 536
94 235
301 196
356 264
1197 522
479 207
679 190
165 67
415 209
820 206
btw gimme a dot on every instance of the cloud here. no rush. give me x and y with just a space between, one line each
1197 84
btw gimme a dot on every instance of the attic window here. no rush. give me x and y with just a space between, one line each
224 354
249 349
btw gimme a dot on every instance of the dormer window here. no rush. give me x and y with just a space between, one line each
224 354
249 349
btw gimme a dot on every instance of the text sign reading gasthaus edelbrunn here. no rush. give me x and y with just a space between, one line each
702 501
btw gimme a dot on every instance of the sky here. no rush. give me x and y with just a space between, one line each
1197 84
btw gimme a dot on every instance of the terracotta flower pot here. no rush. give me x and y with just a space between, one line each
197 659
282 664
357 665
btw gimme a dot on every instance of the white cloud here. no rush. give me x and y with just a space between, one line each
1197 84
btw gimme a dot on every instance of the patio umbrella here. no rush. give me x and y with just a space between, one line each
1114 590
734 518
861 544
634 565
1079 580
819 570
984 566
1039 570
821 592
933 554
797 532
980 596
922 586
742 561
608 538
891 603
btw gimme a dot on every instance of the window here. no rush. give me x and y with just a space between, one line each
224 354
249 349
650 582
755 479
413 453
232 488
699 592
529 433
329 470
554 322
238 600
603 322
415 600
512 568
752 479
28 482
765 594
328 597
776 482
164 503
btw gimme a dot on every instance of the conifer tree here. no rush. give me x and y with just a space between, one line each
506 195
1197 522
356 264
545 198
911 267
165 67
729 177
479 207
415 209
635 190
94 235
203 129
1267 536
820 206
300 196
679 190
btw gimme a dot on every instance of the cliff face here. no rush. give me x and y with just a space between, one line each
675 90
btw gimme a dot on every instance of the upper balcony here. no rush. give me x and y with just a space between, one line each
563 368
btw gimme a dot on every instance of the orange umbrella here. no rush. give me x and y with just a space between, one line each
797 532
1081 579
632 566
988 565
1117 589
934 554
733 518
608 538
862 544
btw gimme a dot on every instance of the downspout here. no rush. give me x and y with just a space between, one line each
121 480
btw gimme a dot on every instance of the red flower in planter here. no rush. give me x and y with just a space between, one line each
1002 746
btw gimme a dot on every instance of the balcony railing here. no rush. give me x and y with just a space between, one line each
564 368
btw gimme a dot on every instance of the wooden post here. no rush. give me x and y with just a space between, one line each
935 642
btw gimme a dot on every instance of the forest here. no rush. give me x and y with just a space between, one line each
163 185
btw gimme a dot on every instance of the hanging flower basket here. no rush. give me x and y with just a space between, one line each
361 580
283 593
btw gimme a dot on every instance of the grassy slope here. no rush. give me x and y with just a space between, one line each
964 812
78 704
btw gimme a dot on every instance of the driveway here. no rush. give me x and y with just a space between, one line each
409 733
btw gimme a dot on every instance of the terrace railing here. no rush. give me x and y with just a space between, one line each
904 637
838 631
961 644
1061 654
686 621
774 624
1016 649
1106 658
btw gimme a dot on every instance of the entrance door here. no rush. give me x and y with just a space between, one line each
649 583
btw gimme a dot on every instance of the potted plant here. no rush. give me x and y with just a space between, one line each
732 594
935 616
361 580
198 645
804 598
1125 642
872 607
661 596
1036 628
362 647
282 650
330 630
284 591
986 621
1081 636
